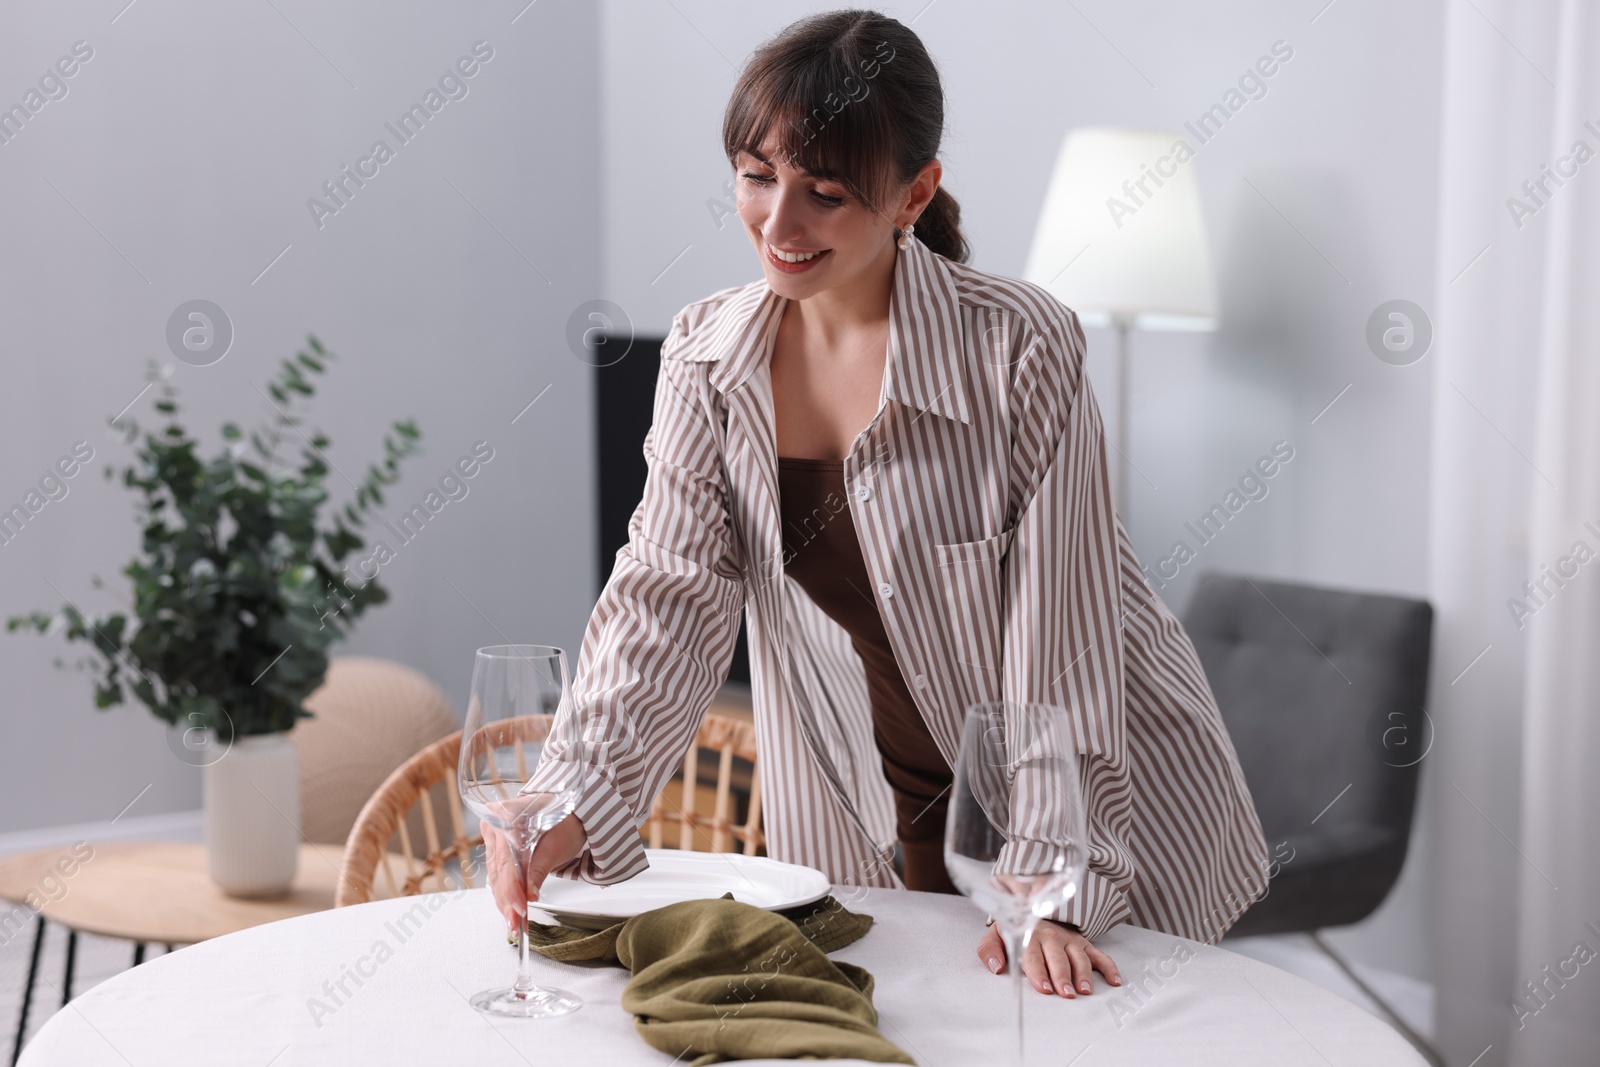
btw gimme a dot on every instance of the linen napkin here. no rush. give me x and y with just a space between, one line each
826 923
726 980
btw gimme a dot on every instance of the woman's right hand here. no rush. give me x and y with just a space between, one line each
560 844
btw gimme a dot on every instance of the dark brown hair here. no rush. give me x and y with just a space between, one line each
855 99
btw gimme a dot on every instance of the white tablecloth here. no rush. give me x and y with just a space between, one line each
271 996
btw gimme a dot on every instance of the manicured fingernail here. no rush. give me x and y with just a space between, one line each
994 964
1044 985
1084 986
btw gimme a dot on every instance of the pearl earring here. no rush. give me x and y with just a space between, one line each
905 236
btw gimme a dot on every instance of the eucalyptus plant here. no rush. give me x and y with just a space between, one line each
237 590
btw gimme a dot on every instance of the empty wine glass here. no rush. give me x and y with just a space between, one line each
1016 839
511 732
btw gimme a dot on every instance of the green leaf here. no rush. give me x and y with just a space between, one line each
234 568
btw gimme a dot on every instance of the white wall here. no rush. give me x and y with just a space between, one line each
1342 153
178 166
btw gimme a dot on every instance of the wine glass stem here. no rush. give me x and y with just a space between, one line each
524 983
1016 942
524 961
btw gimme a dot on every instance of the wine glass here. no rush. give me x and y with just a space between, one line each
1016 841
514 740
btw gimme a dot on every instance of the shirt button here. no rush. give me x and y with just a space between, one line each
863 493
920 681
886 589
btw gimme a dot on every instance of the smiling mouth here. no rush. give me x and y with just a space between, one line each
794 260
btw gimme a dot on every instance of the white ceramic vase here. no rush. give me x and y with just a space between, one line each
252 806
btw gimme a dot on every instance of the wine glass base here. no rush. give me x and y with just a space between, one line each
536 1003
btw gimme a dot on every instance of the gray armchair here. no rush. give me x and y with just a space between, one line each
1324 693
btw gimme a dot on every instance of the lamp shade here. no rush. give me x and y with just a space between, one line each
1121 234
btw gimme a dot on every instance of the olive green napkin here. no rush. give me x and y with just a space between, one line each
728 981
825 923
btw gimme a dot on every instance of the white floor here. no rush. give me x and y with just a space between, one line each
98 958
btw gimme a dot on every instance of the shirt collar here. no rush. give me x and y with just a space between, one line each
926 359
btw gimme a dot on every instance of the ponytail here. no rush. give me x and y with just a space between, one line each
939 227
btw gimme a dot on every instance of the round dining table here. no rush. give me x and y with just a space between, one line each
388 983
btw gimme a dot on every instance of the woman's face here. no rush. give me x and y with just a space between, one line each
785 210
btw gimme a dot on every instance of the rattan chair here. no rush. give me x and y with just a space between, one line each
726 740
421 795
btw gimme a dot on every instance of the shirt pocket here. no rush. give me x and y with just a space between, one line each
972 577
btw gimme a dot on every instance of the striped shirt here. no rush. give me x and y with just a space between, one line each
980 494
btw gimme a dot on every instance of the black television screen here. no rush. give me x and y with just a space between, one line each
625 390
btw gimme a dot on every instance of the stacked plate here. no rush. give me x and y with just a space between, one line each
675 876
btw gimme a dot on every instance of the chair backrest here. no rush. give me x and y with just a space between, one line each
385 837
1324 693
732 744
368 717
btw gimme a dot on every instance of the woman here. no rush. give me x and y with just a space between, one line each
893 463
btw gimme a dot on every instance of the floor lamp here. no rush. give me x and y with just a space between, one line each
1121 240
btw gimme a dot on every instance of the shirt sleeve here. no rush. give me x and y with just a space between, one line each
660 639
1063 605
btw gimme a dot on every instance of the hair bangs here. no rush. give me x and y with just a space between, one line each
816 115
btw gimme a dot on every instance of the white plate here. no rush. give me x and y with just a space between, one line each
675 876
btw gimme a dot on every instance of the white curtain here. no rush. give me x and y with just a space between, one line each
1560 903
1512 782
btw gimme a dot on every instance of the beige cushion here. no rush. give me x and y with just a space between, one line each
370 716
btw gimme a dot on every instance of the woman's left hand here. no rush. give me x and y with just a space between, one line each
1058 959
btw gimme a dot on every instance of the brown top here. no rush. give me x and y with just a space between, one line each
822 554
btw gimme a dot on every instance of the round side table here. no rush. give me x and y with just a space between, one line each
147 892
